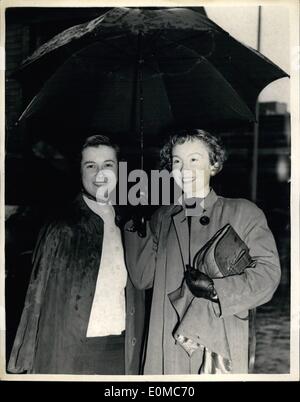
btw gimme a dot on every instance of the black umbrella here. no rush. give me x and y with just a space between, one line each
135 73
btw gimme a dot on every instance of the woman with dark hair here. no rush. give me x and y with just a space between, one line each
74 319
199 323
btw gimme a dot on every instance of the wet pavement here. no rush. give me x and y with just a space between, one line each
273 335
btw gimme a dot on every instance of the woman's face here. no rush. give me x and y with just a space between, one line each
191 167
99 167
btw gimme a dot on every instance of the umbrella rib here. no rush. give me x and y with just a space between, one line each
263 58
181 42
103 41
53 44
34 99
156 37
166 92
231 87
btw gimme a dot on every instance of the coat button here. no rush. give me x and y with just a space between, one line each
132 311
204 220
133 341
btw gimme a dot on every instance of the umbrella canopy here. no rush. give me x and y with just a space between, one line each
135 73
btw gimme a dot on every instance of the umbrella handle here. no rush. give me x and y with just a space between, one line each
138 225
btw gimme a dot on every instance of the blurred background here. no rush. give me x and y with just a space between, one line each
38 177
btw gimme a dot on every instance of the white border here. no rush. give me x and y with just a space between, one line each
293 6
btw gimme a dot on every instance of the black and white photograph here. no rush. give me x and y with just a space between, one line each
150 191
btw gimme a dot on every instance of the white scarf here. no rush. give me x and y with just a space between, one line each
107 315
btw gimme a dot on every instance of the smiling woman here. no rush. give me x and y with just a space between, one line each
74 320
99 168
203 325
194 156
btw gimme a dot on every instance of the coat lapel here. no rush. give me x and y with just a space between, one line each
182 233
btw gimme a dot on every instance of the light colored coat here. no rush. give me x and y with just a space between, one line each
158 261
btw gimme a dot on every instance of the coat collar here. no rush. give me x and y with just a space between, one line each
120 218
205 206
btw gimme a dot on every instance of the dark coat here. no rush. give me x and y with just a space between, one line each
158 261
60 295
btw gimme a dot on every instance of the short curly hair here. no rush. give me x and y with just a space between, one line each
217 153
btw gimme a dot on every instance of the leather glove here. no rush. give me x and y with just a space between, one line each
200 284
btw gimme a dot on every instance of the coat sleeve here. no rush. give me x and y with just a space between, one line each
140 254
256 285
23 351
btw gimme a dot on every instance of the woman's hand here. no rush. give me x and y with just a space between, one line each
200 284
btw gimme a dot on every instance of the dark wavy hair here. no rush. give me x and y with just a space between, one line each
216 151
98 139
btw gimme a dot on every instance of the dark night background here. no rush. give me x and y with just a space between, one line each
38 178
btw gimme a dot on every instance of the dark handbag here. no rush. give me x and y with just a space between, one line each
223 255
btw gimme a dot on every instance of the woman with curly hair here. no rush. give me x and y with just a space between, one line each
198 323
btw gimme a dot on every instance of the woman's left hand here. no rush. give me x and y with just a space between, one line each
200 284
